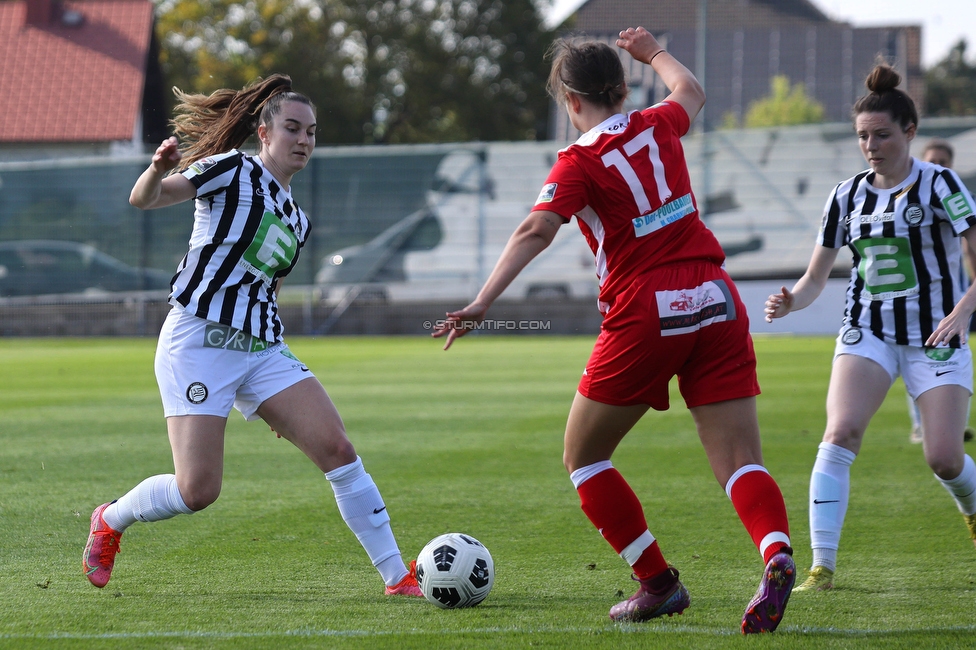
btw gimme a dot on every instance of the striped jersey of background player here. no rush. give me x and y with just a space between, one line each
940 152
907 311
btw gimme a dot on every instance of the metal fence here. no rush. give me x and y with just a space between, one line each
402 233
76 258
351 191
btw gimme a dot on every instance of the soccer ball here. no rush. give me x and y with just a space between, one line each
455 570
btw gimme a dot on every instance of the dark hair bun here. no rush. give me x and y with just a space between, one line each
882 79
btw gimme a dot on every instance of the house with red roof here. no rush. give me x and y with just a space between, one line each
79 78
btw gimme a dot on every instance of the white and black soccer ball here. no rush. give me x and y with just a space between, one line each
455 570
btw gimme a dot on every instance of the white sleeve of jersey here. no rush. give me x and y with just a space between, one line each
957 201
833 225
209 176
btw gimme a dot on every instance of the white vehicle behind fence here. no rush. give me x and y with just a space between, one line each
761 191
445 251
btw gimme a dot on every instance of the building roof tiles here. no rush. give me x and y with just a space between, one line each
73 83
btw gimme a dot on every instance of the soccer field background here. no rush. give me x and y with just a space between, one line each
468 440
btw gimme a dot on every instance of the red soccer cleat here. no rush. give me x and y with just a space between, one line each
408 586
103 544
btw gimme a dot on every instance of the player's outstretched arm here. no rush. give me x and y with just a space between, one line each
684 87
779 304
458 323
806 289
153 189
531 238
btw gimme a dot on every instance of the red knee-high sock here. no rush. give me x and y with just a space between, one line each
616 512
760 506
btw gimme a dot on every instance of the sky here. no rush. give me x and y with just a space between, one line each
943 22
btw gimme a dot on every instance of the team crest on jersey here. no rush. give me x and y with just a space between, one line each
851 336
547 194
203 165
197 393
914 214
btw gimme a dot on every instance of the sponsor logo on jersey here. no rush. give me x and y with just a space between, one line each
197 393
224 337
271 349
886 266
914 214
663 216
684 311
883 217
298 364
203 165
547 194
939 354
851 336
957 206
273 248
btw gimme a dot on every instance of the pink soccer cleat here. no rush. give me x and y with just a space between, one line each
103 544
408 586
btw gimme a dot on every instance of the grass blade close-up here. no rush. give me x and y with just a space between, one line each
468 441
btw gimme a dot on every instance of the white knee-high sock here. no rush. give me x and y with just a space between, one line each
963 487
363 510
155 499
830 487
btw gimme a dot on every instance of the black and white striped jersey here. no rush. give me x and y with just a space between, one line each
905 277
247 233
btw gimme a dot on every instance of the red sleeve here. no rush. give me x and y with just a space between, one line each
565 190
672 114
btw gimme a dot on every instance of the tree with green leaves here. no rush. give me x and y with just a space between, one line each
391 71
785 105
950 85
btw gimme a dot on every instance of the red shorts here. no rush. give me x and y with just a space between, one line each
687 321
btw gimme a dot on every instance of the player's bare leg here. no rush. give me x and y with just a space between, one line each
944 412
593 431
305 415
197 442
729 432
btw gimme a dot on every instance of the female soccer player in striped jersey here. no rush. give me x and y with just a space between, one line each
669 309
907 311
941 153
221 345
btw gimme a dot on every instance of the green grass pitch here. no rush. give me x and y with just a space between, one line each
469 440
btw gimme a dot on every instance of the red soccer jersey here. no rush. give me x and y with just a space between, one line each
627 183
